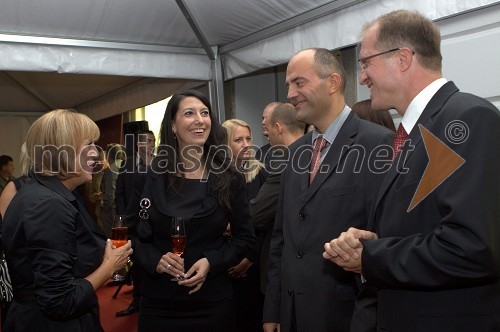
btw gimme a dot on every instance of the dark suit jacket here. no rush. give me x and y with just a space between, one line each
151 238
437 266
300 279
124 184
51 245
263 212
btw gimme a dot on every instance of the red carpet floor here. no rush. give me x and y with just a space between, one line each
109 306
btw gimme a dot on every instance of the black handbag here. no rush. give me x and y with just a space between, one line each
5 283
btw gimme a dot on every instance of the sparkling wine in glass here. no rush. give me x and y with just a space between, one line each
178 237
119 238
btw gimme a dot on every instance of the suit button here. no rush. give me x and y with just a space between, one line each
302 216
290 292
300 254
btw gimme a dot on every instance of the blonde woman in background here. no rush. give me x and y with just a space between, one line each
239 140
114 157
245 275
95 195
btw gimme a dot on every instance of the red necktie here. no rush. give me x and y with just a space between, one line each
318 145
399 140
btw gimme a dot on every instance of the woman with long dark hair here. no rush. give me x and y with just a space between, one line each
191 177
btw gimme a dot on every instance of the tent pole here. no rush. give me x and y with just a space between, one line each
216 88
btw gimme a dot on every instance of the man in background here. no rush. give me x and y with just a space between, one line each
6 171
264 154
133 166
283 129
137 163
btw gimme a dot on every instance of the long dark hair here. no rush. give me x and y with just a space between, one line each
215 151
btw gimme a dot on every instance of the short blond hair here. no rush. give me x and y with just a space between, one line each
253 165
54 139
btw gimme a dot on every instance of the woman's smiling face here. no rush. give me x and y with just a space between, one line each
192 123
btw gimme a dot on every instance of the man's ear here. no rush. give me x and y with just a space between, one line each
335 82
405 58
278 127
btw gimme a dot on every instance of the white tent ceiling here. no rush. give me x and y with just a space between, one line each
104 57
119 43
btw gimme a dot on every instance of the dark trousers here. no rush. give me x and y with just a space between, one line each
4 307
173 315
249 301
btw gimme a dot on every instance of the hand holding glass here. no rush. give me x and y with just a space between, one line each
119 238
178 237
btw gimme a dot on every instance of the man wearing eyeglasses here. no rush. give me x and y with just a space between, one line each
434 262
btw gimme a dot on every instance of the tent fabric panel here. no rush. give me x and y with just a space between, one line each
138 97
145 21
62 59
16 98
334 31
49 87
13 135
225 21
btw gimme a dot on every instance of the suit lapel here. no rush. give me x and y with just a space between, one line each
337 150
434 106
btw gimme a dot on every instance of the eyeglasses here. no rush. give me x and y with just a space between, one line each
363 61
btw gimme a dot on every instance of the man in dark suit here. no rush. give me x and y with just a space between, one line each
305 292
283 129
434 253
264 153
134 165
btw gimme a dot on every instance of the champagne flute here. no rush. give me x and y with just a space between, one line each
119 238
178 237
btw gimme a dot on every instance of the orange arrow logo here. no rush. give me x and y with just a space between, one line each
443 162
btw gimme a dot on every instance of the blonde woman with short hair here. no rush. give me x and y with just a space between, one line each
57 257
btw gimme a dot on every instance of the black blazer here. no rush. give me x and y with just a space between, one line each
300 279
125 184
151 238
437 266
51 245
263 212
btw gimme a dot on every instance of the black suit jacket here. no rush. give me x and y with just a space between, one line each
263 212
437 266
300 280
124 184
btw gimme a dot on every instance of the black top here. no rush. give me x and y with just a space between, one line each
21 181
252 190
204 230
185 205
254 186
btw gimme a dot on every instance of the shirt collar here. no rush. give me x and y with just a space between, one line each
333 129
419 103
54 184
